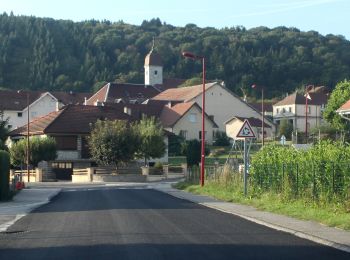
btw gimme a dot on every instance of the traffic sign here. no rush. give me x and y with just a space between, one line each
246 131
283 140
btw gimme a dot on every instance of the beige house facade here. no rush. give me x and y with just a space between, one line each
220 103
188 123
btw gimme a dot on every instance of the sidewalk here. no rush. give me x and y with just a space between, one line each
310 230
23 203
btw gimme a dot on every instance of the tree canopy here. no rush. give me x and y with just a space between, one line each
43 53
338 97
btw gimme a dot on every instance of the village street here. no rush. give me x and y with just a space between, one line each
139 222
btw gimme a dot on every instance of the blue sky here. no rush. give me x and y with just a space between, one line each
324 16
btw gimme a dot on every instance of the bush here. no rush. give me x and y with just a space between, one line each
41 149
221 139
320 173
192 150
4 174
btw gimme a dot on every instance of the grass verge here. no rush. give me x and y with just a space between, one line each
330 214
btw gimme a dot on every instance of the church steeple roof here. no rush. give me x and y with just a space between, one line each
153 58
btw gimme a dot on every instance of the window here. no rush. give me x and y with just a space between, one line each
283 110
155 72
19 114
290 109
66 142
9 126
277 110
192 117
309 110
183 133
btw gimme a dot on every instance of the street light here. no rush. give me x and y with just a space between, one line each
196 57
27 153
254 86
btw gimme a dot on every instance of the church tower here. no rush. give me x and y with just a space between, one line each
153 68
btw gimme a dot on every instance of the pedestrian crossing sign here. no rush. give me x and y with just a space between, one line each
246 131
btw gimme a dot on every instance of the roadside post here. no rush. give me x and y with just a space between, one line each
245 132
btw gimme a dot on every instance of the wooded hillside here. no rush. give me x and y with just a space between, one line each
39 53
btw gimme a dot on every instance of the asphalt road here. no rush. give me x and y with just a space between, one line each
136 223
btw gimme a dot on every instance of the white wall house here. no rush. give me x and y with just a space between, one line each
221 104
16 110
293 109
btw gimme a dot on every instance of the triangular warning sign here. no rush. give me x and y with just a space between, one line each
246 131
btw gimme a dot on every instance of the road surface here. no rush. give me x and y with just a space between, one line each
141 223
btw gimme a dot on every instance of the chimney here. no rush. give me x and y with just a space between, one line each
85 101
169 104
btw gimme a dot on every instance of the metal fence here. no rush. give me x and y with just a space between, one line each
324 179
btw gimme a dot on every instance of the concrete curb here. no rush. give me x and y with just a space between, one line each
195 198
27 208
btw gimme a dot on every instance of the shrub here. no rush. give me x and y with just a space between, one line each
41 149
221 139
4 174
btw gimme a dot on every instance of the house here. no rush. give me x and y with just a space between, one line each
184 119
220 103
70 128
255 123
179 118
293 109
17 104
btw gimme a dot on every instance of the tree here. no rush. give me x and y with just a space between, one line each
112 142
285 128
339 96
41 149
151 136
192 150
3 130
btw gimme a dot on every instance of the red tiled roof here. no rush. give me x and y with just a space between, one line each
345 106
70 97
72 119
13 100
316 99
113 91
182 94
267 106
170 83
153 58
170 115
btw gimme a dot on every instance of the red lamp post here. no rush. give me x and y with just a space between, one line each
28 146
196 57
254 86
307 96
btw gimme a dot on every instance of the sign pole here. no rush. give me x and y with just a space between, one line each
245 167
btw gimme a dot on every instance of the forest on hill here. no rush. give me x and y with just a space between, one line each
48 54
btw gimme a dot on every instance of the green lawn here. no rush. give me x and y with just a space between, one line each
331 214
